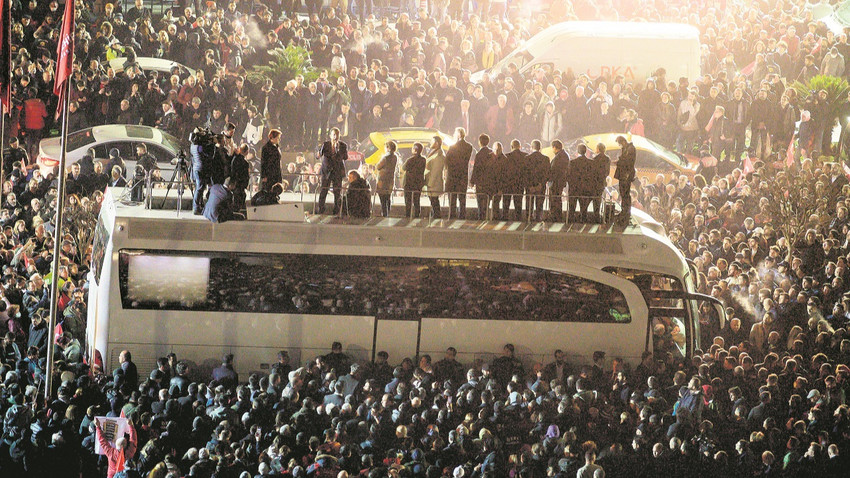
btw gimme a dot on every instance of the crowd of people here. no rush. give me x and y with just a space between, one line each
766 395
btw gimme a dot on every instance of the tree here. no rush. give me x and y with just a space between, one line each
796 207
836 89
285 65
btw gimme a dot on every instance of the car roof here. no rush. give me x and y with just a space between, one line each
113 132
150 64
408 135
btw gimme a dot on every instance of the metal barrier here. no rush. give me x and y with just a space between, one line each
502 207
443 201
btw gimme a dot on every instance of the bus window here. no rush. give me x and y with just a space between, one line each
385 287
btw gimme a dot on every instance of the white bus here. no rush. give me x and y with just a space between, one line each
162 284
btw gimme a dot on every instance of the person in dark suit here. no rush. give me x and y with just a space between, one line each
457 162
558 180
129 372
511 174
536 172
270 173
580 180
239 177
414 180
333 154
625 174
602 164
484 176
225 375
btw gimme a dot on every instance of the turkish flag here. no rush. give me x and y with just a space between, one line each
790 152
6 55
64 55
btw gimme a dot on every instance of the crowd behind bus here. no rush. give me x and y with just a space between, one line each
766 395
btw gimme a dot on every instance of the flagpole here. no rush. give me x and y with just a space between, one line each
2 148
57 244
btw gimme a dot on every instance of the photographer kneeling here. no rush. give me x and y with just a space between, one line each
219 206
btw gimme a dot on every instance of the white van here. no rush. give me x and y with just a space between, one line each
632 49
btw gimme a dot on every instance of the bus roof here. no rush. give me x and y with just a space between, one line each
633 246
624 30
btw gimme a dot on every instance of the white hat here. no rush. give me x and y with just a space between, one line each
459 472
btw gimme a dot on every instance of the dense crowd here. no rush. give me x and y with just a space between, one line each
765 397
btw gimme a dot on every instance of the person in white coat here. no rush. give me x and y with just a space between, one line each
435 167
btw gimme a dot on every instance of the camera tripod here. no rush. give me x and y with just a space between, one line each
179 176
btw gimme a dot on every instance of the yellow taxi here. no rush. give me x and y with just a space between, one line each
652 158
372 148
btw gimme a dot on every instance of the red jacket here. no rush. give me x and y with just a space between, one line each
114 456
34 113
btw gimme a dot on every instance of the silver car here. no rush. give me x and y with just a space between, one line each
102 139
148 64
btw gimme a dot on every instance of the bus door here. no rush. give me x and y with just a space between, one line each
669 328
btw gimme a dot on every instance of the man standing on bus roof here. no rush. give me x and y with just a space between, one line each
414 181
580 179
536 171
333 154
457 162
625 173
558 178
602 165
484 176
270 173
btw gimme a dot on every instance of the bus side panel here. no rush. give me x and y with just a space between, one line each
533 341
398 338
254 339
97 323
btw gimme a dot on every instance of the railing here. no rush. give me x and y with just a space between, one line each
501 207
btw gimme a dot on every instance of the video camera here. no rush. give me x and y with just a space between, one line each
204 136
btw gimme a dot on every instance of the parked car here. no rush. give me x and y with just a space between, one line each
372 148
102 139
148 64
652 158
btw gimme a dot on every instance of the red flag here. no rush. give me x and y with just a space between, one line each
64 55
58 332
6 55
748 165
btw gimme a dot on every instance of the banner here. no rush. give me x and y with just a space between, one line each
113 429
